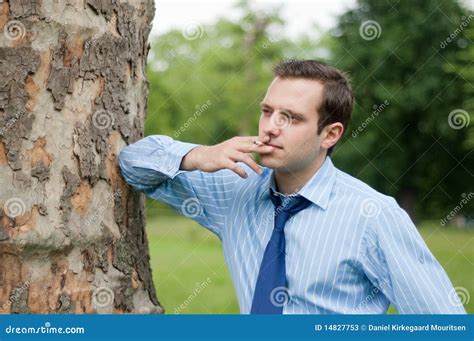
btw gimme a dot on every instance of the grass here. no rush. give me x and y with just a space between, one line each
191 276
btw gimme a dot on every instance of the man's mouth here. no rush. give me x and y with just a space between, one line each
274 145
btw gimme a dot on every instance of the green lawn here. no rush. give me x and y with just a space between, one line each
191 276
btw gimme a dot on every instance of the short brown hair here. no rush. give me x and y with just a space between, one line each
338 99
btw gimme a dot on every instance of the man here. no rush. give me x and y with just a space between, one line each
299 235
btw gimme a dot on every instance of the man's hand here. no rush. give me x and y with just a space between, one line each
226 155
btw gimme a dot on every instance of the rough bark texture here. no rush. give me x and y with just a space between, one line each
72 94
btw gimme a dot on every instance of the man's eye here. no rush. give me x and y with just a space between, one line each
265 112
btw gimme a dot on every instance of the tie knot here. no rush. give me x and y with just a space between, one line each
287 207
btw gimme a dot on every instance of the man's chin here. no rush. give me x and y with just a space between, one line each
269 161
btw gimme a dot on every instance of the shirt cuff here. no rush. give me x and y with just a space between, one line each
176 150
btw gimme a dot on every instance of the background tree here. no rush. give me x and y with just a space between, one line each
73 93
209 79
404 140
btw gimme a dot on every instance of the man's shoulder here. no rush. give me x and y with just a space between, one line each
351 188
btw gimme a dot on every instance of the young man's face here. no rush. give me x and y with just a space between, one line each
290 119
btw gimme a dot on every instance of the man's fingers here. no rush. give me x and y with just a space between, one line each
248 145
247 159
253 148
236 169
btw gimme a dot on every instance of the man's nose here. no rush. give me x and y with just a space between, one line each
271 129
277 122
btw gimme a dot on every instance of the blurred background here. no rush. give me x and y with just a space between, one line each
411 135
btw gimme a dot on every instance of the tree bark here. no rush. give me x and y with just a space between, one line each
73 93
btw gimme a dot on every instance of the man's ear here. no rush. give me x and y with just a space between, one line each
331 134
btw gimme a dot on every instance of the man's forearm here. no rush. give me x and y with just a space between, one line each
151 160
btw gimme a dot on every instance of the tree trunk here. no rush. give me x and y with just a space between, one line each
73 93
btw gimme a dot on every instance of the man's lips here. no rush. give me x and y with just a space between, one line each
274 145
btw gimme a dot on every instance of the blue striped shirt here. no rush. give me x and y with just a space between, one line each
353 250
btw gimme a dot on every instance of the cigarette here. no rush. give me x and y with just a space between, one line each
258 143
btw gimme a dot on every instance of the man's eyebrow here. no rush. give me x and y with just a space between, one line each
295 114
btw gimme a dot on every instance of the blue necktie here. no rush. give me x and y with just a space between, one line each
271 292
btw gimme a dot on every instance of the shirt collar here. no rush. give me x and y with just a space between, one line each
317 189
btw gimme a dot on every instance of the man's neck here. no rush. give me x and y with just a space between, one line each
291 182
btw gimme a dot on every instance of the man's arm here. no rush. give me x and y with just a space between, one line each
399 263
196 180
